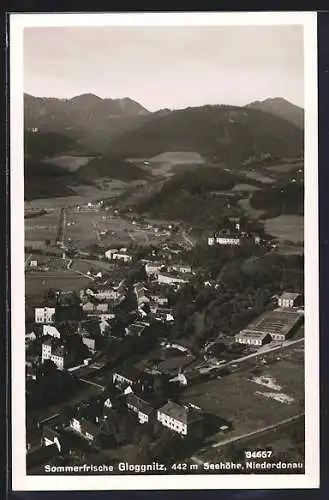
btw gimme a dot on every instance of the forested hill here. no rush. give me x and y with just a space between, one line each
224 133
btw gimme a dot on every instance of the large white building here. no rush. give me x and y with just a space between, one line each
170 279
124 257
153 268
109 253
44 314
224 240
51 330
277 325
55 352
176 417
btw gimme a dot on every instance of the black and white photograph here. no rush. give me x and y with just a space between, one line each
164 251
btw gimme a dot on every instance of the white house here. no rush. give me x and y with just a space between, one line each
44 314
224 240
256 339
53 351
289 300
127 375
51 330
109 253
153 268
182 268
140 407
174 416
170 279
124 257
50 437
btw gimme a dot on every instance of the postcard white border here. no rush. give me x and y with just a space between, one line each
20 480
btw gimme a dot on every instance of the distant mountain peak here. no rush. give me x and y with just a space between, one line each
87 111
280 107
86 97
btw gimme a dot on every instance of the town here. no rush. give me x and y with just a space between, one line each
155 347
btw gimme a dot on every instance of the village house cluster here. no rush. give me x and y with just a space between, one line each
75 331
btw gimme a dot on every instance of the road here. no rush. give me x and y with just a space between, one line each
263 352
258 431
102 387
85 275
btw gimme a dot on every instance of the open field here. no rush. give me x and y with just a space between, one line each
36 283
286 228
289 249
259 176
103 189
178 157
85 265
68 162
109 230
245 187
171 162
40 228
250 405
251 212
285 167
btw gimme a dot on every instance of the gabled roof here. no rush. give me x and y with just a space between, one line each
141 404
178 412
136 329
129 372
90 427
49 433
289 295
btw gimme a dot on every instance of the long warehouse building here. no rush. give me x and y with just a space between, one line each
279 324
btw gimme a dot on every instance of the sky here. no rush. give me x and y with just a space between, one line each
166 66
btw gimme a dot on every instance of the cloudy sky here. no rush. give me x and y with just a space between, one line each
166 67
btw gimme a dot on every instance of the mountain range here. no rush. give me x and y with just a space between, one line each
89 110
110 131
282 109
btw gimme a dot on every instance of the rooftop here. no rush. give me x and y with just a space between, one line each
136 329
274 322
129 372
252 335
289 295
48 432
179 412
141 404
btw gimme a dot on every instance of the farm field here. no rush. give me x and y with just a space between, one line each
69 162
286 228
259 176
36 283
38 229
251 212
250 405
86 228
245 187
170 162
103 189
286 167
